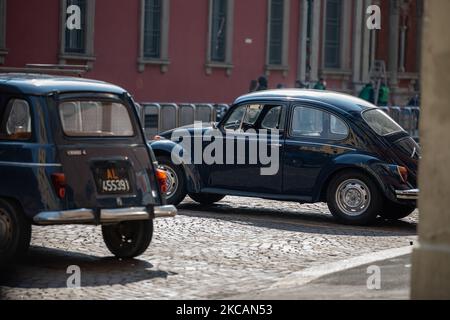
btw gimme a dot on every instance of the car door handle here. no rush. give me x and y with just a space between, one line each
275 144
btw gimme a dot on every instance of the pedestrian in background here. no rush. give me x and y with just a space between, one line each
300 85
253 86
320 85
280 86
383 95
415 100
367 93
262 83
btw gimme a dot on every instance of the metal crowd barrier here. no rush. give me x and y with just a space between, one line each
159 117
406 117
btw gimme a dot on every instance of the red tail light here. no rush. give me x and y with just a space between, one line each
59 183
161 176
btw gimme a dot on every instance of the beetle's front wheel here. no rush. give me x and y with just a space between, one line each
175 182
353 198
128 239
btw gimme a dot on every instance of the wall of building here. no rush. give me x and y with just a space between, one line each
33 36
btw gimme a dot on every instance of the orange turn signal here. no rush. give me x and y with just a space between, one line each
161 176
403 173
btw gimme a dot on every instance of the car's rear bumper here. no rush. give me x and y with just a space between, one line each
411 194
88 216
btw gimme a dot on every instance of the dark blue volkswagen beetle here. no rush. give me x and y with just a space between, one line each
331 147
72 151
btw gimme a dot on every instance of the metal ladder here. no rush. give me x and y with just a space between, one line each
378 73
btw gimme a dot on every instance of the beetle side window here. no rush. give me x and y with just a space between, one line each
380 122
314 123
235 119
16 121
272 118
243 117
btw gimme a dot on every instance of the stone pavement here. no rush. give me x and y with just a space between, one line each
239 246
349 284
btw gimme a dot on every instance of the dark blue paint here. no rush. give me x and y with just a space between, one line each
26 166
307 164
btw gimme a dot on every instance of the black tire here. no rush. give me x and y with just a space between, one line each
206 198
395 211
128 239
15 232
179 193
365 193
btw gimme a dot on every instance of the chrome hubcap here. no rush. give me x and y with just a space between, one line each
171 181
353 197
6 230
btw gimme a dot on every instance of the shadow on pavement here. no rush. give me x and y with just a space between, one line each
300 220
47 268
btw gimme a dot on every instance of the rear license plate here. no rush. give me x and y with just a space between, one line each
112 178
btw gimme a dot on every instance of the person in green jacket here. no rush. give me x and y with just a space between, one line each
367 93
383 95
320 85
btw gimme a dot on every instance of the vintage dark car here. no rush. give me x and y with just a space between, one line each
332 147
72 151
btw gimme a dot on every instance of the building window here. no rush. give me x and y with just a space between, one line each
3 51
218 30
75 39
154 34
333 31
276 32
152 29
278 35
220 35
77 44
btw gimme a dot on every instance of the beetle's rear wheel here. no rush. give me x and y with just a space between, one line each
15 232
353 198
128 239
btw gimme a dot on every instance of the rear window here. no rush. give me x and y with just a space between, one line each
95 119
380 122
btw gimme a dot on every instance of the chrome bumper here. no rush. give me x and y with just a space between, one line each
412 194
87 216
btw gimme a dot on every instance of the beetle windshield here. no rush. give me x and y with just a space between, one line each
95 119
380 122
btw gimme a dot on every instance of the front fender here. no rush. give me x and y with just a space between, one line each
381 172
165 147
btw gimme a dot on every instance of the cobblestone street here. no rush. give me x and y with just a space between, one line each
238 246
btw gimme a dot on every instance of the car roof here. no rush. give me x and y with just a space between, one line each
43 84
342 101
